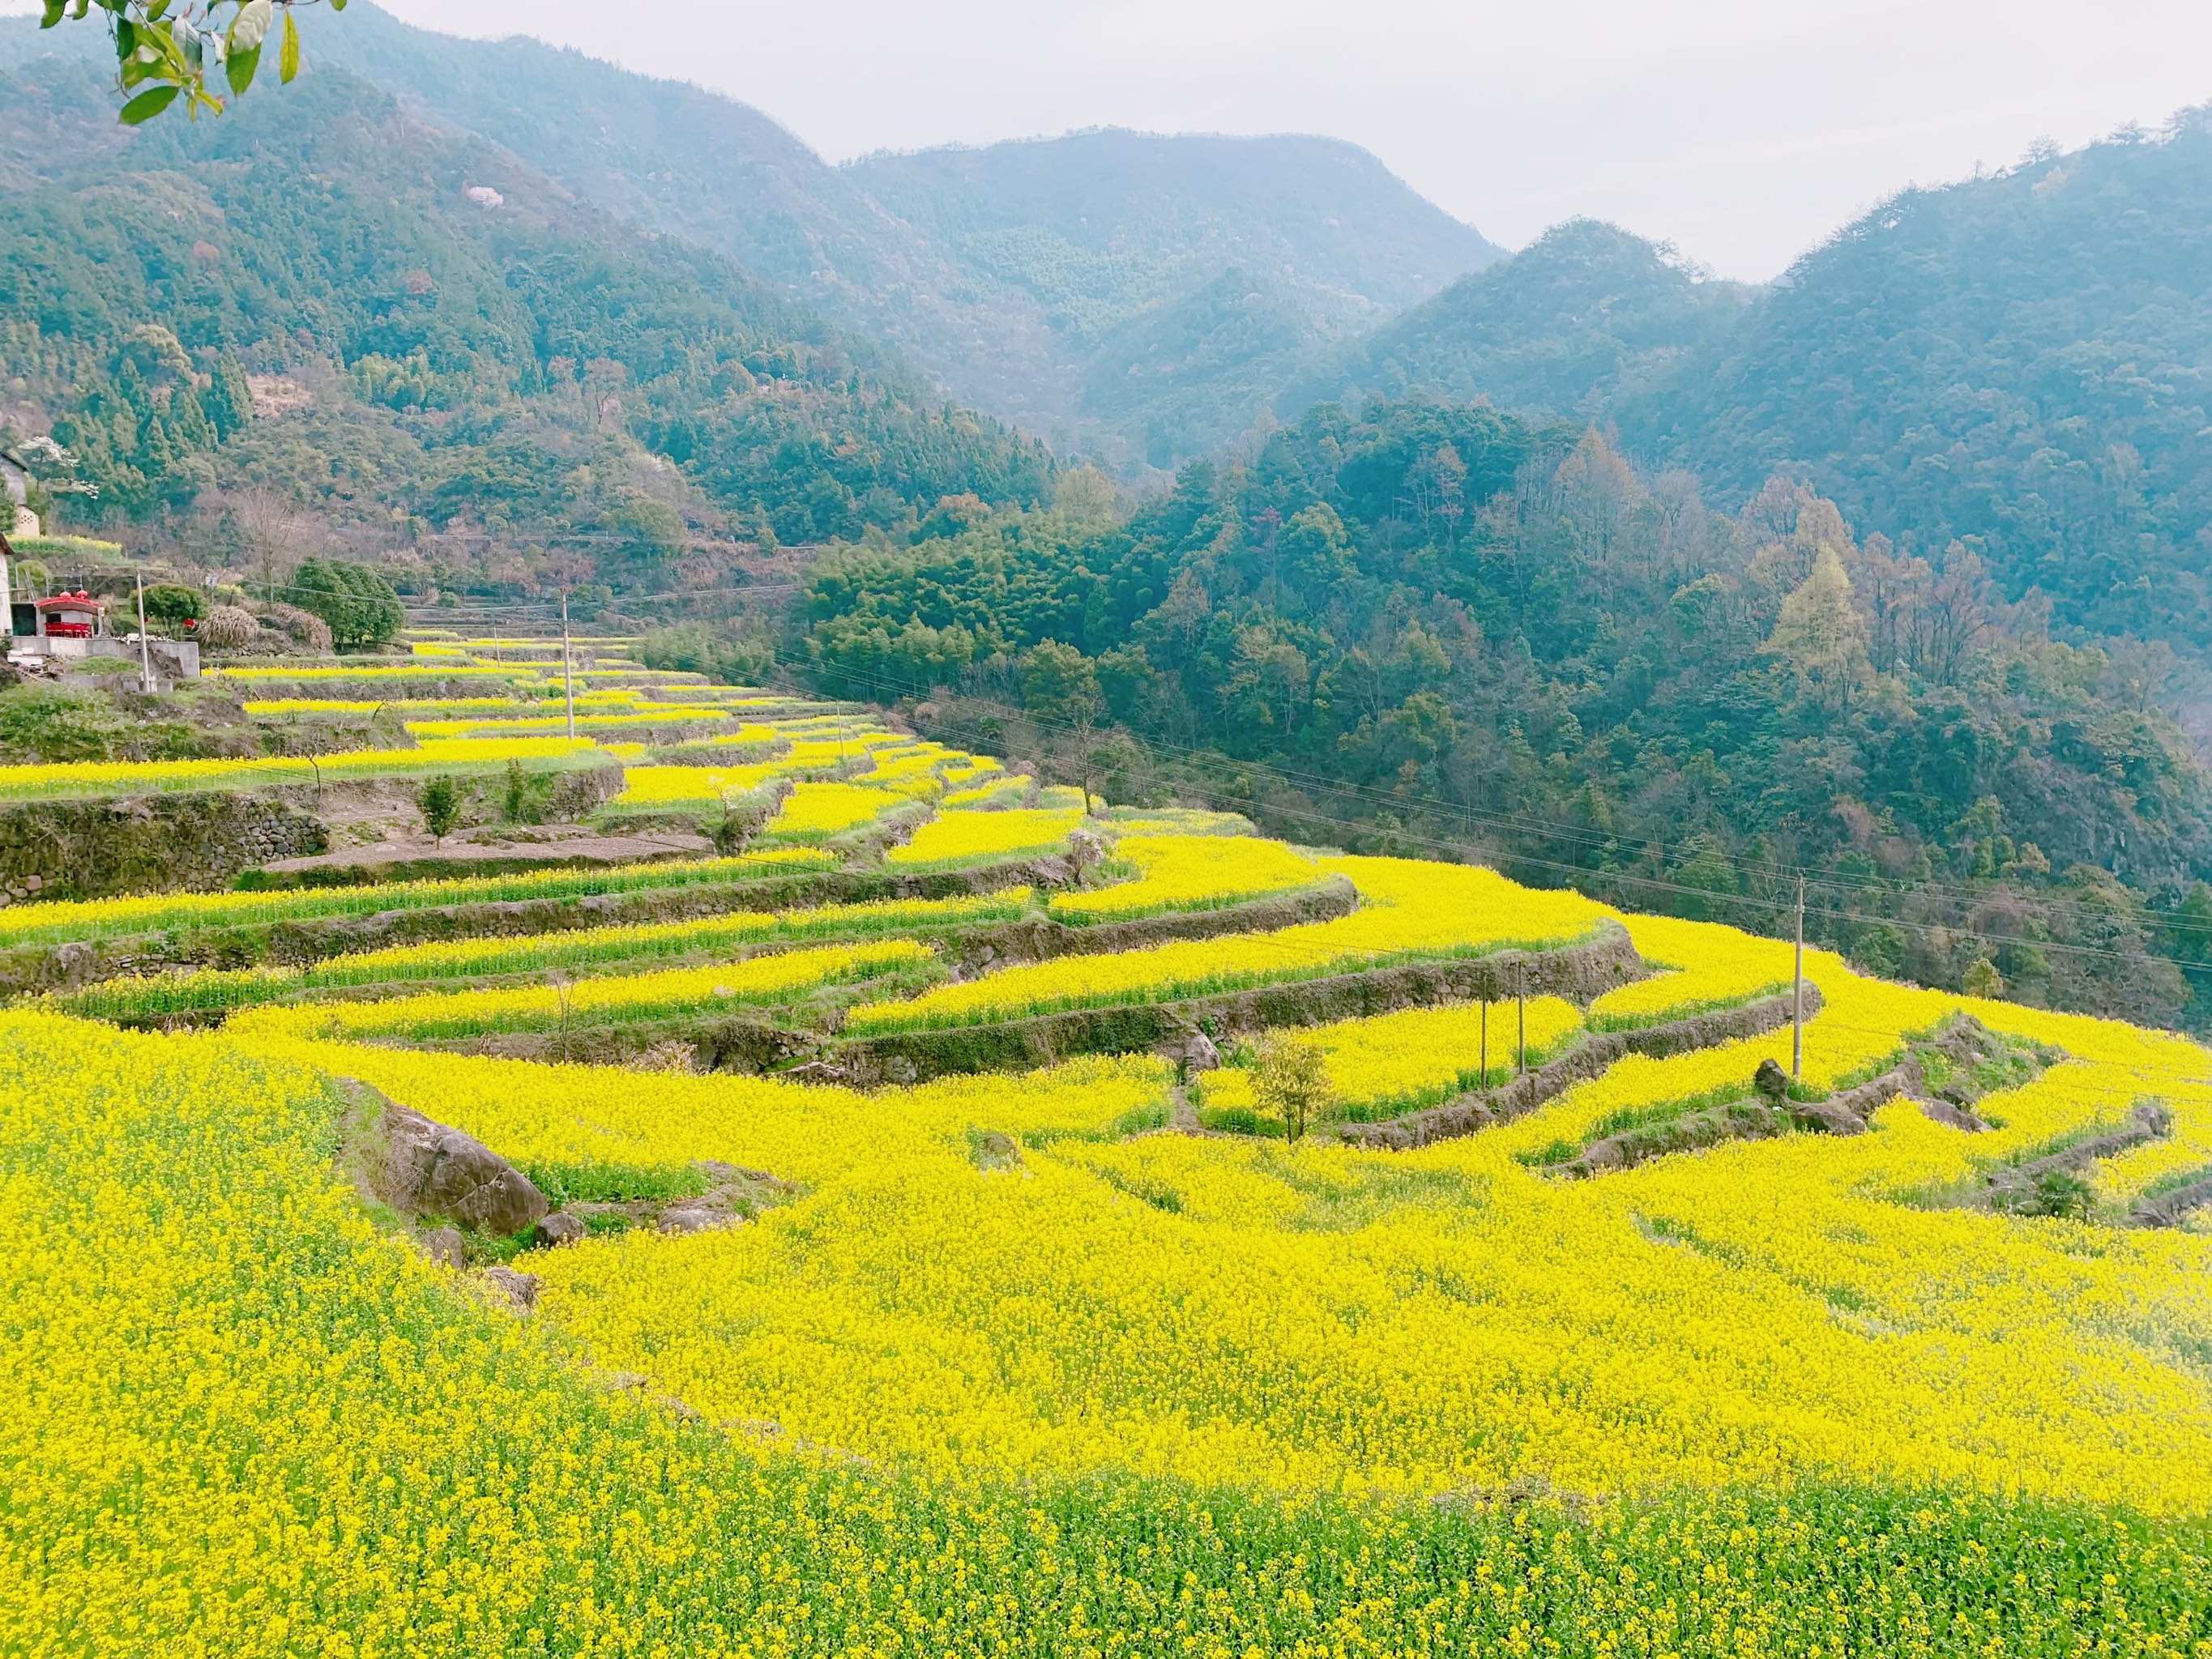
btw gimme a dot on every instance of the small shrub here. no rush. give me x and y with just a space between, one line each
527 794
172 605
441 807
2055 1193
1292 1083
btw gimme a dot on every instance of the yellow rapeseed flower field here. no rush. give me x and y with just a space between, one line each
548 1007
1026 1363
816 811
58 920
580 949
368 671
692 785
429 707
1703 965
957 838
1317 1317
630 715
262 1430
1190 872
1400 1062
70 778
1410 910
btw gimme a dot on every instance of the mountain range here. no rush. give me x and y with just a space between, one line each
1892 568
2019 364
2015 364
1093 288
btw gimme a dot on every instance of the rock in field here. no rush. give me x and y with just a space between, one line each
520 1290
423 1168
558 1228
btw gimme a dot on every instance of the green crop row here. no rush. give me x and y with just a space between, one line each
579 950
155 912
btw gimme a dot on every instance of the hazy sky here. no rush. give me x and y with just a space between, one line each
1743 130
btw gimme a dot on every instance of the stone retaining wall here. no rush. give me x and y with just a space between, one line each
33 968
1578 972
189 842
1597 1051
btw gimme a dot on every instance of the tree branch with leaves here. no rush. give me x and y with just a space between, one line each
164 52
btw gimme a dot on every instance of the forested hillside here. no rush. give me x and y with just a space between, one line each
1179 276
517 365
1123 294
2026 361
1452 627
2021 364
1824 640
1584 317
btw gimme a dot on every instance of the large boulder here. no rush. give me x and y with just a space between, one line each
423 1169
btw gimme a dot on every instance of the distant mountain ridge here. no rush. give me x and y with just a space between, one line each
465 345
2020 364
1179 275
1584 315
1018 275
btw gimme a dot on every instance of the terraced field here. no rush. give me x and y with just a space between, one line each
885 1236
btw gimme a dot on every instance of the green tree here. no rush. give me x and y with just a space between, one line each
653 530
441 807
362 607
1819 632
1059 686
519 793
2185 935
169 605
1292 1083
1314 549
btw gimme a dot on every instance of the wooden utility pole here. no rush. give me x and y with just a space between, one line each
1486 1045
1798 996
1521 986
145 655
568 674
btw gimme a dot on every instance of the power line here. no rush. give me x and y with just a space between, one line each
1575 834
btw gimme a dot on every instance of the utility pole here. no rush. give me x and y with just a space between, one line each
1797 999
1486 1045
1521 986
145 656
568 675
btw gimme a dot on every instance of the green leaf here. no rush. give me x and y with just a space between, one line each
338 5
126 37
287 57
53 15
148 105
237 69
